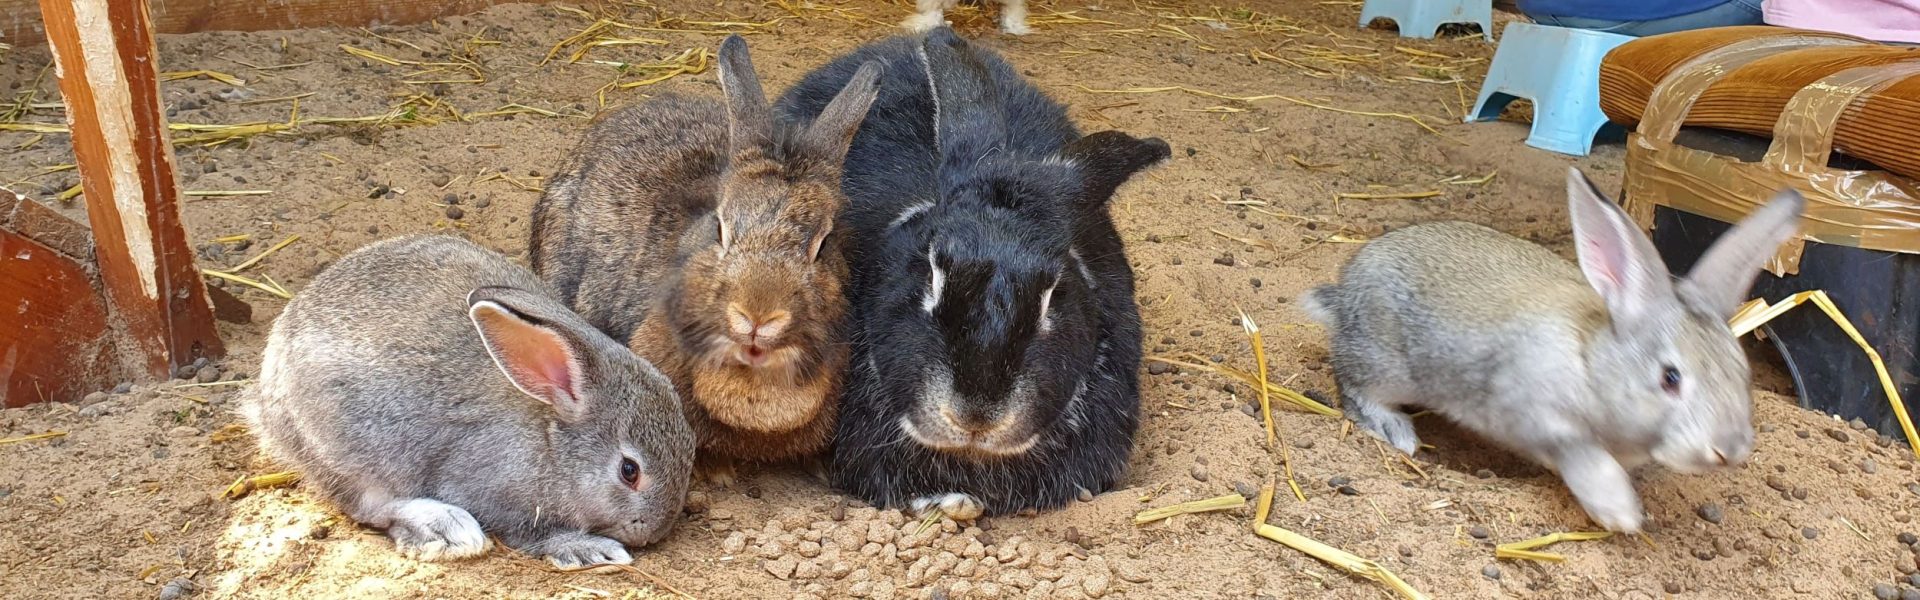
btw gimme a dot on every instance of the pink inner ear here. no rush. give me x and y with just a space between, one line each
536 359
1604 264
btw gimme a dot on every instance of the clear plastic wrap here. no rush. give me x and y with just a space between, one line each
1865 209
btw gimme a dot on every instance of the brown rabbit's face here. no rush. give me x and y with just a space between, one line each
761 299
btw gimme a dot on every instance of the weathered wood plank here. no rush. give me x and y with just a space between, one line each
54 341
20 22
103 52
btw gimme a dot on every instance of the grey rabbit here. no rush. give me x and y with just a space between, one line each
701 234
1589 370
431 388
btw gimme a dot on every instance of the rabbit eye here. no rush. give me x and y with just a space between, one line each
629 472
1670 380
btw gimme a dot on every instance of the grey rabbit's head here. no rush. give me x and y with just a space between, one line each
623 463
1668 358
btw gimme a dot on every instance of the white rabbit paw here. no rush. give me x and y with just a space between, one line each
432 530
959 507
1387 423
1015 26
581 550
1616 514
924 22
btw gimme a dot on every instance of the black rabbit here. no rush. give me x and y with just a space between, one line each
996 339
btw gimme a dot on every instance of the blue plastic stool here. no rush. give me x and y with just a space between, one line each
1559 70
1423 18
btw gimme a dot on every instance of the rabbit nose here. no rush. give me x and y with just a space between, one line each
966 423
1733 449
757 328
1731 456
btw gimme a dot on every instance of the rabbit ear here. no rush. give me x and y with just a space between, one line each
966 126
1618 260
1108 158
1725 273
832 132
538 357
749 121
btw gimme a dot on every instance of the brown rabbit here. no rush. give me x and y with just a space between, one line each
699 234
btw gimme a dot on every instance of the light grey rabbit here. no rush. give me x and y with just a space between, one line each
1587 370
430 388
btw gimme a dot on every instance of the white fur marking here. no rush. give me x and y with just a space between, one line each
906 426
1081 265
926 66
1046 302
909 214
934 288
440 530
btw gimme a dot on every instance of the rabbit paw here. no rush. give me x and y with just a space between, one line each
1385 422
1013 17
579 551
719 471
924 22
959 507
817 467
1624 519
432 530
1602 486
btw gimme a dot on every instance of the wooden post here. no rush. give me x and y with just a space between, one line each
103 52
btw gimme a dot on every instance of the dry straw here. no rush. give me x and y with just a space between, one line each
247 485
1176 88
1756 313
34 437
1227 502
1526 550
630 569
1341 559
1276 390
1266 402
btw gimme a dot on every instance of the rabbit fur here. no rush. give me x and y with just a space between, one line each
996 338
701 233
1589 370
931 14
431 388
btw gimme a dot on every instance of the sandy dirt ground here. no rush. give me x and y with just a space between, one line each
451 126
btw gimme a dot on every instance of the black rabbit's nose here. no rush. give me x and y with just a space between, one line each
969 423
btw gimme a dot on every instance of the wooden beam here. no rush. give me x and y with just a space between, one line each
20 22
103 52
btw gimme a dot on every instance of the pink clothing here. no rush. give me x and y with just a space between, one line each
1880 20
